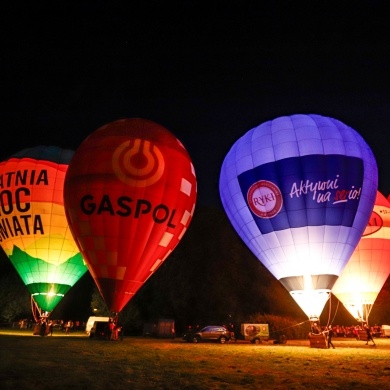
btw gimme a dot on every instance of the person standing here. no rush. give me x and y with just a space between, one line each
42 330
173 333
110 329
369 335
115 331
330 334
232 333
51 328
315 329
67 328
120 333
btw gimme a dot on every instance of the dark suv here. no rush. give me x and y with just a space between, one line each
209 333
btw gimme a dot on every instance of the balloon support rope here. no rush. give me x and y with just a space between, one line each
292 326
335 311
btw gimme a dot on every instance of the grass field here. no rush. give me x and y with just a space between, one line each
77 362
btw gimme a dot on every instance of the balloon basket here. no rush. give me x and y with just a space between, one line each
362 335
318 341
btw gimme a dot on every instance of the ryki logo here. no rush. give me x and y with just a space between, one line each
265 199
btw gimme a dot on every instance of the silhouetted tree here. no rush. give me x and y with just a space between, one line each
15 299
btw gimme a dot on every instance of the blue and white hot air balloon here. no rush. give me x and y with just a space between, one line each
299 190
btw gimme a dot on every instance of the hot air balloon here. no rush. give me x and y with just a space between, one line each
369 266
130 194
299 191
34 232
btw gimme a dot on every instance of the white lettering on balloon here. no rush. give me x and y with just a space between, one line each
320 191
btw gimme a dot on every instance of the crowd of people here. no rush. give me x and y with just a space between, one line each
45 326
349 331
359 332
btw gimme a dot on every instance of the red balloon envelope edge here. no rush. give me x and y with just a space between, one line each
376 221
368 268
130 194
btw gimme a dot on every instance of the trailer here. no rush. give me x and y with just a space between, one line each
92 320
163 328
166 328
255 333
385 330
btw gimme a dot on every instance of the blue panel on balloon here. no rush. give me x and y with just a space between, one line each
311 190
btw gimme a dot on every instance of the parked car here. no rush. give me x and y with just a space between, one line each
209 333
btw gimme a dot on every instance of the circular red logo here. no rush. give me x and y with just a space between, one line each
265 199
138 162
374 224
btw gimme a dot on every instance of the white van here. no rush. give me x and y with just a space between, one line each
91 321
386 330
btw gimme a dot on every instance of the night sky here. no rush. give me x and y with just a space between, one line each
207 71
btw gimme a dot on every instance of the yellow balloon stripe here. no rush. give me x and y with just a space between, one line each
42 233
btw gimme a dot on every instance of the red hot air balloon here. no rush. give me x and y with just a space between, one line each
130 194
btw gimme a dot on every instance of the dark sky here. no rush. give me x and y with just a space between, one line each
207 71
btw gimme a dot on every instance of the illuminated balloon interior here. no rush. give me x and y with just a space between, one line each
34 232
366 272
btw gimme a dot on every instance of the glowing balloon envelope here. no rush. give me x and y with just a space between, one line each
369 266
299 191
34 232
130 194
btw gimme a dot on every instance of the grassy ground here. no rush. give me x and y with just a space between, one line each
77 362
